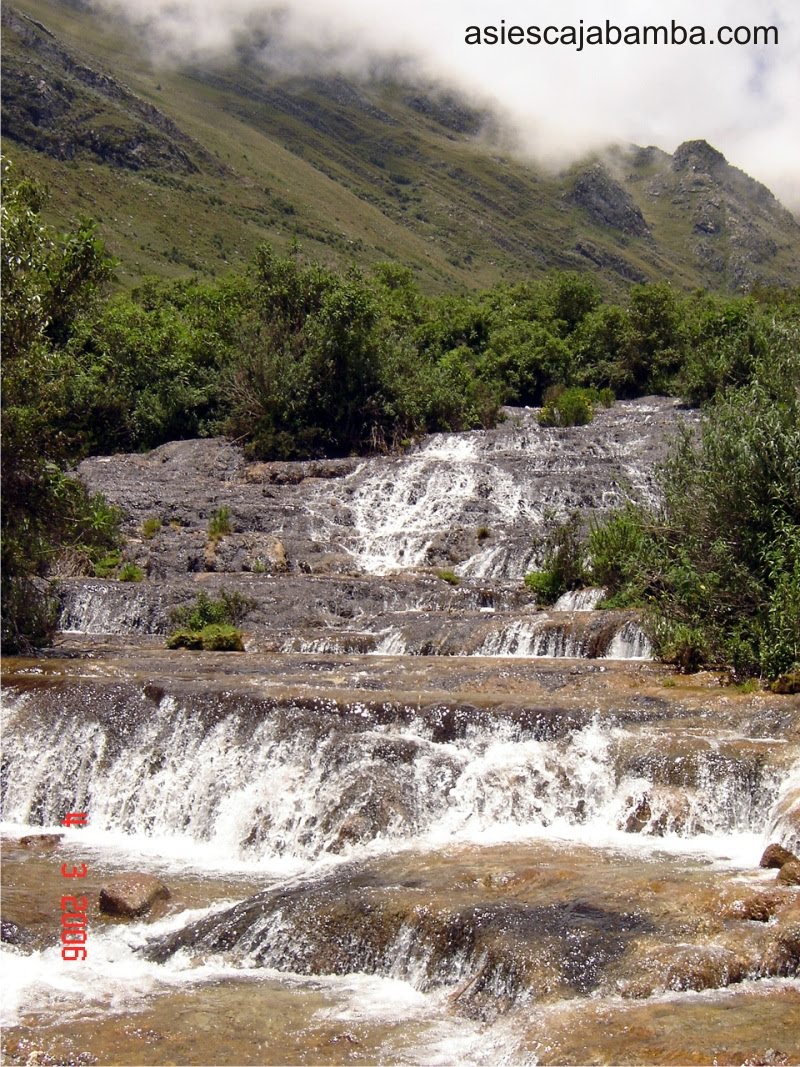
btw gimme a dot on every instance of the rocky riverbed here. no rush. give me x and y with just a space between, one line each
418 820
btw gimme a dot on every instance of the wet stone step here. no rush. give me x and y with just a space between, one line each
511 923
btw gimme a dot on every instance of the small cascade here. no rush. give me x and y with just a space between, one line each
579 600
93 606
249 779
630 642
400 507
392 643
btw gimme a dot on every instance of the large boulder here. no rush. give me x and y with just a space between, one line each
132 895
775 856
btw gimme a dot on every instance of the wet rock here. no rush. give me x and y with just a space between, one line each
699 967
638 813
132 895
41 840
782 956
775 856
12 933
750 905
658 811
789 874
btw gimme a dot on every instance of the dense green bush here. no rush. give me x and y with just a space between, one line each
719 562
212 638
567 407
229 609
48 282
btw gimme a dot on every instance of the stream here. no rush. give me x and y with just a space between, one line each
419 820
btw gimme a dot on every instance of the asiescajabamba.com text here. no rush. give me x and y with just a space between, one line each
608 33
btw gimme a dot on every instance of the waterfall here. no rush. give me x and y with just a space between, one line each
579 600
630 642
288 780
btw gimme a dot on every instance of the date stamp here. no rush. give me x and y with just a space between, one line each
74 908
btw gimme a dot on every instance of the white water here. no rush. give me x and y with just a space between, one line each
278 792
579 600
400 506
630 643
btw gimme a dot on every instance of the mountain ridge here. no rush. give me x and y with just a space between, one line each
189 170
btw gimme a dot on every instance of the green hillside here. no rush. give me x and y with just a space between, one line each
189 170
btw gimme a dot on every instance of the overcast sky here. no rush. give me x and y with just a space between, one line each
744 100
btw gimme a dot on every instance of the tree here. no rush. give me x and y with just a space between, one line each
47 281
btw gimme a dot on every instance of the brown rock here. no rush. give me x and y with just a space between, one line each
41 840
782 957
132 895
752 906
701 967
789 874
776 856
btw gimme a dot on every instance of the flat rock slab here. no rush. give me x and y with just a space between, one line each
132 895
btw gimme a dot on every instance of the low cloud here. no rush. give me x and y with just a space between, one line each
560 103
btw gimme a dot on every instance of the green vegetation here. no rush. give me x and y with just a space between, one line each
210 624
356 171
220 524
449 576
150 527
48 281
572 406
562 551
212 638
297 360
107 565
228 610
131 572
717 566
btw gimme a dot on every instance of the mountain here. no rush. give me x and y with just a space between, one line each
188 170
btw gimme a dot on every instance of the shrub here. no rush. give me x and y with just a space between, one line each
220 524
106 566
546 585
567 407
719 561
185 639
150 527
229 610
449 576
563 551
212 638
131 572
483 533
222 639
616 547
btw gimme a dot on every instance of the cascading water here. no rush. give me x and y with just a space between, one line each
489 813
250 781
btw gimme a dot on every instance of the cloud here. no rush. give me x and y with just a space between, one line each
560 102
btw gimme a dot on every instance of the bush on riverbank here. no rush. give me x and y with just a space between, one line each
717 564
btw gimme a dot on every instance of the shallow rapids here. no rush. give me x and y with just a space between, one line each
395 859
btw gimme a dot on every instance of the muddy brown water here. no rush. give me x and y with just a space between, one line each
405 861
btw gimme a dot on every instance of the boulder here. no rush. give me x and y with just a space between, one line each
132 895
41 840
776 856
789 874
